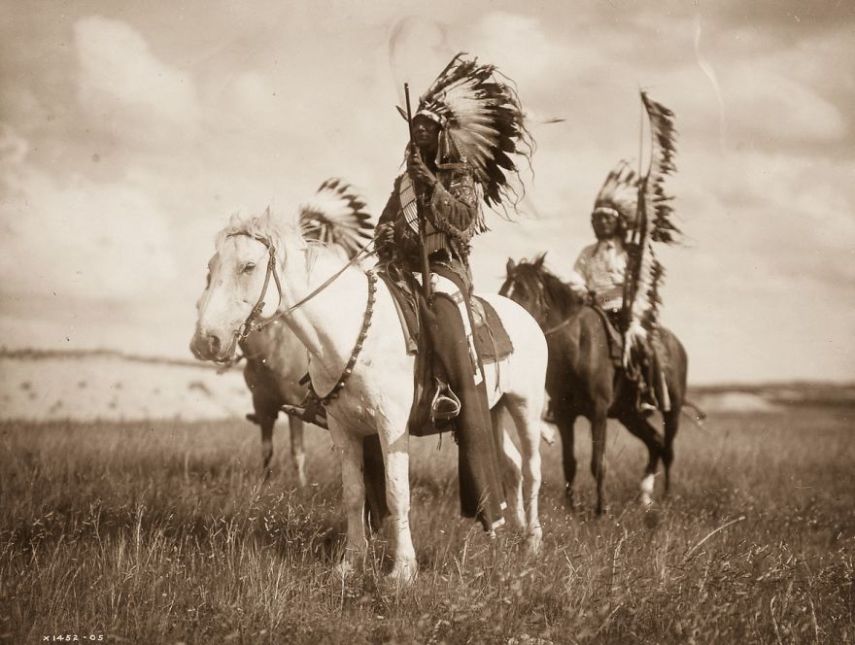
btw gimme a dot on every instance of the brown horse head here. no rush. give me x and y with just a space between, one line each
544 295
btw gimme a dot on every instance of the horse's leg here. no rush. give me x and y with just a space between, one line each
266 423
298 452
395 444
641 428
374 476
264 414
599 419
566 424
511 468
526 414
672 424
353 495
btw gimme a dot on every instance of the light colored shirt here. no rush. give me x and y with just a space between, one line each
601 268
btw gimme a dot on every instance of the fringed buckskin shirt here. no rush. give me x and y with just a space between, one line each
601 268
451 210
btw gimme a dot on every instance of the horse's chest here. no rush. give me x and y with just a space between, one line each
355 410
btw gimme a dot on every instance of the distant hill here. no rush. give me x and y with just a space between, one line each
32 354
786 393
38 384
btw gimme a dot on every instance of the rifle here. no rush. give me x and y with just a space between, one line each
419 209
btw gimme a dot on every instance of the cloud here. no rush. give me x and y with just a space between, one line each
778 108
543 64
791 215
13 151
76 237
125 87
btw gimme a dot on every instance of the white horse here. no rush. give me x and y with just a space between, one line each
350 327
275 359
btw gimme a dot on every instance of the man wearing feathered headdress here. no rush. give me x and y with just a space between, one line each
468 125
623 277
599 273
600 269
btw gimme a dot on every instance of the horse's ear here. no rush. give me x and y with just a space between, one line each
509 267
538 263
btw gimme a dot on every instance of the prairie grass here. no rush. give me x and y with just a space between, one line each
162 532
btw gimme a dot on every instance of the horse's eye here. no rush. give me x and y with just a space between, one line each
208 280
249 267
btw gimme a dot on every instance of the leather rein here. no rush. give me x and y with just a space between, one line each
558 327
541 302
251 323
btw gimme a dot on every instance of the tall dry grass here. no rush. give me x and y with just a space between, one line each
162 533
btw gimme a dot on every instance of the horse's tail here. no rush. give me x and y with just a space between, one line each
699 416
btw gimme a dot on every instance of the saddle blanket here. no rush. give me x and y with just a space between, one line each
489 337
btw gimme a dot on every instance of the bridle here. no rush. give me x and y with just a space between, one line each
249 325
246 328
252 320
540 302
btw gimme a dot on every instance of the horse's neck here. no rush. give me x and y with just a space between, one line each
560 312
328 323
273 342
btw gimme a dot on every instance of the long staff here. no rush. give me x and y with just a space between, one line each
419 209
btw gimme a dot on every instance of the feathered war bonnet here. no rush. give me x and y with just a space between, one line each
336 214
619 195
481 120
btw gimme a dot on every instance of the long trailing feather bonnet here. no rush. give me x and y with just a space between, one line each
336 215
654 222
619 195
482 124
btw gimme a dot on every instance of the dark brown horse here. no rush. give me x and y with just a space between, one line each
582 380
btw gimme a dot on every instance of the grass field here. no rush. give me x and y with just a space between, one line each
161 533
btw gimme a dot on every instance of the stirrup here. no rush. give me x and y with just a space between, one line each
312 414
445 405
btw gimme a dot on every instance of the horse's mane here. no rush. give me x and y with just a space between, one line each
265 226
558 294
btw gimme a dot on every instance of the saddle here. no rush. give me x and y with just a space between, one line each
435 405
651 369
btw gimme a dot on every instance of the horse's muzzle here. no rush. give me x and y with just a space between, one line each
208 346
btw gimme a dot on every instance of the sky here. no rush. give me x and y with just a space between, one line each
130 132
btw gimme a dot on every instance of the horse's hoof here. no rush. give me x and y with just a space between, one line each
344 569
570 501
517 521
534 541
403 574
652 518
